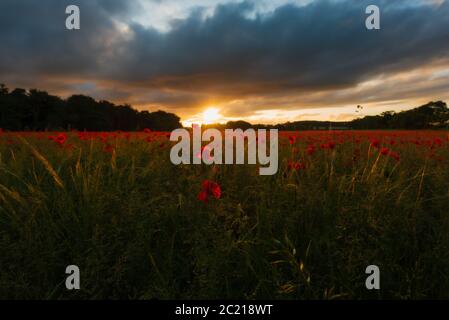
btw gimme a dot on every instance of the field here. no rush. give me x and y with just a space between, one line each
140 227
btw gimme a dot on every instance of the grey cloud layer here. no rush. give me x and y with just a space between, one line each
320 46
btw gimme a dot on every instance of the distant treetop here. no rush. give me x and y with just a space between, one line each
35 110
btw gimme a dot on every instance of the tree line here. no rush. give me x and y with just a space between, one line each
35 110
433 115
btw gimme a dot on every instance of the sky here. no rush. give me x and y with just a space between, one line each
263 61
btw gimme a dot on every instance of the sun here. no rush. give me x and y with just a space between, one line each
211 115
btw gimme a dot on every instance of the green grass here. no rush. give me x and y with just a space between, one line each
133 224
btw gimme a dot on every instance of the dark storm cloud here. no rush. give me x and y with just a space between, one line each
320 46
34 39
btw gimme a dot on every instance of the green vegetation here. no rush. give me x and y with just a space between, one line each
114 205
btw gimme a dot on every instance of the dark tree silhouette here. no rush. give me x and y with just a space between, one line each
433 115
37 110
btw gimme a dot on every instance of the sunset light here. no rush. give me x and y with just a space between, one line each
215 158
211 115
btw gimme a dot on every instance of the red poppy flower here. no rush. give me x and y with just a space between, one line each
199 155
384 151
375 143
296 165
438 141
310 149
328 145
395 156
210 189
203 196
292 139
61 139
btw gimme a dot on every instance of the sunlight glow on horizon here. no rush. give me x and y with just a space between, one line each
210 115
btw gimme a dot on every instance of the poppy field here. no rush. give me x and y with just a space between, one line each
139 227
